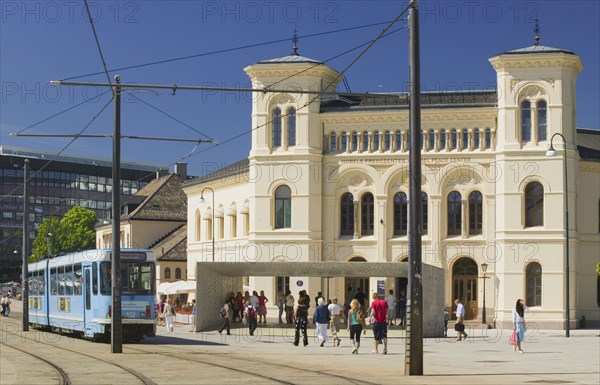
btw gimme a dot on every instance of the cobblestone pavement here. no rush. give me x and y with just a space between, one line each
270 357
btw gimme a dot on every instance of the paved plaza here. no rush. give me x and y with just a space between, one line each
269 357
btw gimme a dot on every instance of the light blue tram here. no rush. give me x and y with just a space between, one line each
72 293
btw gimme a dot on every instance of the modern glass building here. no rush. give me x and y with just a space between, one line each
57 183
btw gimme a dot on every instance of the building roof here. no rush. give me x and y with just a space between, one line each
80 159
290 59
400 100
588 144
236 168
173 247
161 199
536 49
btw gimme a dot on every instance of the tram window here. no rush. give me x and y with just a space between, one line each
77 279
61 280
105 278
88 294
69 280
53 281
139 278
42 282
95 278
32 285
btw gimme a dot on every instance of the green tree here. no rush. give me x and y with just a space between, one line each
76 230
43 239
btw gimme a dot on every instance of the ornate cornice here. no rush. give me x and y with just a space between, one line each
536 61
589 167
401 117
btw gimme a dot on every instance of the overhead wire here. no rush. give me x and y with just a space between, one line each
225 50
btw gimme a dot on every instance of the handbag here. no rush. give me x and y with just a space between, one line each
459 327
514 338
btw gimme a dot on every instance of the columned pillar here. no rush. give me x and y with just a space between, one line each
463 217
356 214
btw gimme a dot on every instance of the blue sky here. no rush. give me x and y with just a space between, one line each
50 40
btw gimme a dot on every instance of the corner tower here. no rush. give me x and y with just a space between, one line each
286 156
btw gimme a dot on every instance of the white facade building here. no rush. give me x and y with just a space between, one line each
327 180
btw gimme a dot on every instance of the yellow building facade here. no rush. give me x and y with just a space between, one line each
327 180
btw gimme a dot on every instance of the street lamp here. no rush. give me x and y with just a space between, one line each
484 267
48 236
550 153
212 220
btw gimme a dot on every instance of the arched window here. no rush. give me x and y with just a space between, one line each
424 208
454 213
541 120
431 140
276 122
167 273
283 207
388 141
347 214
355 141
476 138
533 284
400 214
365 141
367 214
475 213
291 126
525 121
178 273
344 141
333 142
453 139
443 139
534 205
422 140
398 140
376 141
465 139
488 138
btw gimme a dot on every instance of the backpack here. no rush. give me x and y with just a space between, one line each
250 312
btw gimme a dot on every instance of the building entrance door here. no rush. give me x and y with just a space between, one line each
464 286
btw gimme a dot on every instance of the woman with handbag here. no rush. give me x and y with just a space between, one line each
518 317
356 324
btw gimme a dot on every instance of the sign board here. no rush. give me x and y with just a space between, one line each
381 287
299 283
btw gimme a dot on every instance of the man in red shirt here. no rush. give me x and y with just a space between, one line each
379 309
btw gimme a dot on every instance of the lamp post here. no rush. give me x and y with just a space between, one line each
212 219
48 236
484 267
551 153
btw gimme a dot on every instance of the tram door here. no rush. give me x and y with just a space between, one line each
87 298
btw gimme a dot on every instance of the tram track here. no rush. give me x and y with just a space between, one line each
143 379
63 376
244 360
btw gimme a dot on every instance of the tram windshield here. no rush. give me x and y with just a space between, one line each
136 278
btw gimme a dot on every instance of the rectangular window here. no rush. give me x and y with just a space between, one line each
61 280
431 140
69 280
77 279
95 278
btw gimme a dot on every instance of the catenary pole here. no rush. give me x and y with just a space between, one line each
414 330
116 338
25 248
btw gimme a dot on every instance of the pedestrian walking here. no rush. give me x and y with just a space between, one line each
169 315
250 317
301 315
336 313
226 313
289 308
391 302
379 311
518 318
459 327
194 311
321 320
402 308
262 307
356 324
280 306
5 306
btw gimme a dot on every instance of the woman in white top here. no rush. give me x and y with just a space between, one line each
169 315
518 318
